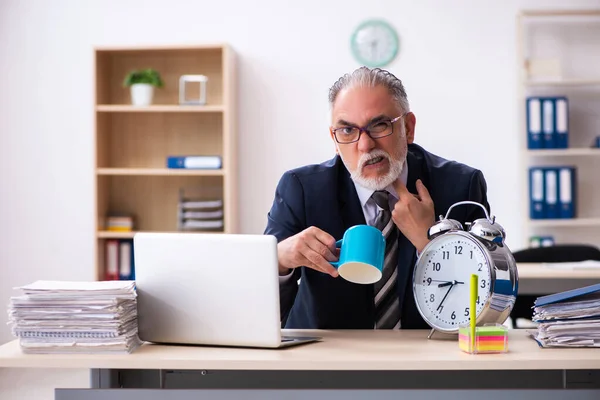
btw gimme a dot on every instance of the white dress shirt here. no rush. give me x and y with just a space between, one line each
369 207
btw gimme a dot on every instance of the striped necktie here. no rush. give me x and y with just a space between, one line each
387 307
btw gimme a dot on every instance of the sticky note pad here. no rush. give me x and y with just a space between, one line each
488 339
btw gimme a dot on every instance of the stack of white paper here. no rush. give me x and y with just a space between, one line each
64 316
569 319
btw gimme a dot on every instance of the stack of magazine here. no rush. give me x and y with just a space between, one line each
568 319
79 317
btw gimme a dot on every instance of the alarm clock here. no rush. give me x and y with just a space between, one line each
442 273
374 43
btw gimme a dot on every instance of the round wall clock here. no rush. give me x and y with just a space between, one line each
374 43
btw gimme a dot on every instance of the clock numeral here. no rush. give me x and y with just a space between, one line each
457 249
437 266
482 284
441 308
480 265
477 299
453 315
466 311
471 254
428 281
432 298
445 255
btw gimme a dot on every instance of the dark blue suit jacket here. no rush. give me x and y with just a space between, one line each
324 196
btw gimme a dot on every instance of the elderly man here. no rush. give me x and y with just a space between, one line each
377 177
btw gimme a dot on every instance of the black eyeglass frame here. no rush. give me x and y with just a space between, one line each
366 130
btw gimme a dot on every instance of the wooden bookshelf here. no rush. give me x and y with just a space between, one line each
568 38
132 143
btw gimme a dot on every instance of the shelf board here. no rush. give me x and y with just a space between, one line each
565 82
159 48
160 172
573 222
565 152
129 235
561 13
175 108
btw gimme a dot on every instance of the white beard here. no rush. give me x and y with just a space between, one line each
380 182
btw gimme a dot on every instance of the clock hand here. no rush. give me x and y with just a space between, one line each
448 283
442 302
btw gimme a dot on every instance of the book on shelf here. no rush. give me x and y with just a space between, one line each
552 192
541 241
194 162
119 263
547 121
119 223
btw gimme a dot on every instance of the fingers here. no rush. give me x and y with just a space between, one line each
423 192
404 194
315 261
323 237
320 250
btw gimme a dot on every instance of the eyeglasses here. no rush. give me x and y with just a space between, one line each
376 130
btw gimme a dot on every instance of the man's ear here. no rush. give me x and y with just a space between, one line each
410 121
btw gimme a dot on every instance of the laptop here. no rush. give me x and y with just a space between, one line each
209 289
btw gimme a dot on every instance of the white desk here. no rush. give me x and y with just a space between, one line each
391 360
535 278
363 350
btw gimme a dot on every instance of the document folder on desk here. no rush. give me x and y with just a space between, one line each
568 319
587 291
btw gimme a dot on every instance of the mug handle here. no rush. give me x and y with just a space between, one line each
338 245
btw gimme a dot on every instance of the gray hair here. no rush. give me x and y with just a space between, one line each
367 77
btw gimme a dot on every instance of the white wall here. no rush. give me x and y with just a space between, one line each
457 60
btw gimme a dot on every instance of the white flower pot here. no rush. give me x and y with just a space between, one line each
141 94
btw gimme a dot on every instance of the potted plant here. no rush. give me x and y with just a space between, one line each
142 84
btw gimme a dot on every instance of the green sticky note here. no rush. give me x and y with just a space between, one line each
491 331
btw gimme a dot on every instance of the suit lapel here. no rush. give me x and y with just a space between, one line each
406 250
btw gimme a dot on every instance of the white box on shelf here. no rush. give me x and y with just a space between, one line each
184 80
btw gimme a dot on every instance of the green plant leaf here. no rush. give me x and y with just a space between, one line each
147 75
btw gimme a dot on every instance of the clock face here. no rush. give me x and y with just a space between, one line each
374 43
442 278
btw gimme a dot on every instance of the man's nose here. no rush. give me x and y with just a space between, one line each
365 143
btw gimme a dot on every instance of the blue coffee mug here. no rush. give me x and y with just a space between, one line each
362 253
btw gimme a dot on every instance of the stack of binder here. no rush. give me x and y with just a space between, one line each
119 260
568 319
552 192
547 122
75 317
197 213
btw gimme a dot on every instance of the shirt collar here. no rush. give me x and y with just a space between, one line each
365 194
